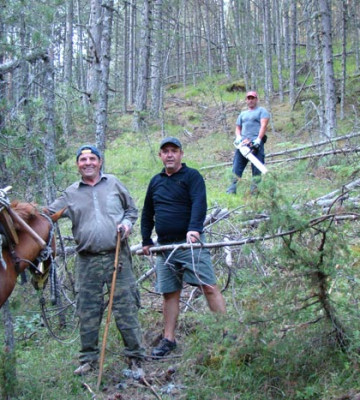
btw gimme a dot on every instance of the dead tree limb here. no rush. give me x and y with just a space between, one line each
290 151
10 66
329 198
313 145
317 155
248 240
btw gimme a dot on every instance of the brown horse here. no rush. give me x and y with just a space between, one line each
27 251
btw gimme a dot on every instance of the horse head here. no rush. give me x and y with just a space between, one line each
35 244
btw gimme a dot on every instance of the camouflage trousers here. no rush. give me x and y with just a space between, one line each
93 272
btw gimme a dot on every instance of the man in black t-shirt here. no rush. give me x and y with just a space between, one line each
175 204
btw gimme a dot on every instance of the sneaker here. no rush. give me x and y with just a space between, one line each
164 347
84 369
231 189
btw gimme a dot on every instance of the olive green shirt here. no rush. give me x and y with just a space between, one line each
96 211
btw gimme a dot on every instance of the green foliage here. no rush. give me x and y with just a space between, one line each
8 380
26 326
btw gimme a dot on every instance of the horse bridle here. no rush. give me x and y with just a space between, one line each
44 254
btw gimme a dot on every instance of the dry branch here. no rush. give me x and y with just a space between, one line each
328 199
317 155
313 145
298 149
248 240
31 57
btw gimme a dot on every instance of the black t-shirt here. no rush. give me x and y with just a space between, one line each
175 205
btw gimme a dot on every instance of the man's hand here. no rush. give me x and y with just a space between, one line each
238 140
192 237
146 250
255 144
124 231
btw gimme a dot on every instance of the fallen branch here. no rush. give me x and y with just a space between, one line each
86 386
316 155
349 186
249 240
313 145
146 383
296 150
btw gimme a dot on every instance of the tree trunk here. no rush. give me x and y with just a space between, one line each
318 77
267 50
343 58
94 52
131 52
80 59
50 133
8 356
279 52
293 39
183 46
105 56
329 78
223 39
286 33
143 69
157 60
208 40
68 66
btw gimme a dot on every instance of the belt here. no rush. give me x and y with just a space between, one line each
98 253
172 240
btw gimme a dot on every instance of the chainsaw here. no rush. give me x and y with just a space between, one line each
247 152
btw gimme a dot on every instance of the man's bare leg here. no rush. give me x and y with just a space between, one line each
171 308
214 298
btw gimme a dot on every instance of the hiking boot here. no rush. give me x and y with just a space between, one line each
163 348
232 188
84 369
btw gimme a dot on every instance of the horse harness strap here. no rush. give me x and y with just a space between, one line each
44 254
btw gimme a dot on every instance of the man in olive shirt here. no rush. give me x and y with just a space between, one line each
99 206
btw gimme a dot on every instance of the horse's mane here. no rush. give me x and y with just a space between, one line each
26 211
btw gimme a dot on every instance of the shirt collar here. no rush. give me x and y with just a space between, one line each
183 166
102 177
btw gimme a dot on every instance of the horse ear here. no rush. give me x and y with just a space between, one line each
56 216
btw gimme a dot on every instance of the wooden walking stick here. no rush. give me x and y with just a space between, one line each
111 298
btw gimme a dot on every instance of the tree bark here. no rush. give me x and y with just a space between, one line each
223 38
94 50
267 50
50 134
293 40
279 46
68 67
157 60
344 13
143 69
328 66
105 56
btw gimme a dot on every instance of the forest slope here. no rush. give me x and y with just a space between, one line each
291 331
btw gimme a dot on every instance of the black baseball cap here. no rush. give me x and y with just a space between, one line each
88 148
171 140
